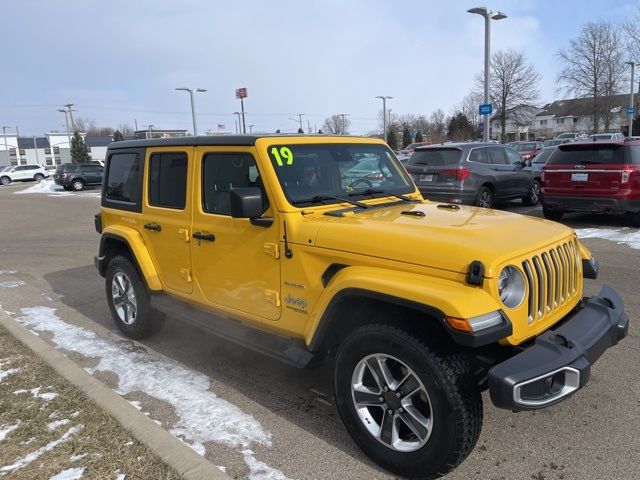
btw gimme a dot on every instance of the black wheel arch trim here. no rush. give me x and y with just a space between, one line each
102 265
473 340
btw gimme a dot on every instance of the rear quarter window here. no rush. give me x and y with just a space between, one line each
122 187
436 156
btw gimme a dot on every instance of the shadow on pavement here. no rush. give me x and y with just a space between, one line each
286 391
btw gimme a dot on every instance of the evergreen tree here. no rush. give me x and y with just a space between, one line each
406 136
118 136
419 136
79 153
392 140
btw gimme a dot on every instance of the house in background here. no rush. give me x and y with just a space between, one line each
576 115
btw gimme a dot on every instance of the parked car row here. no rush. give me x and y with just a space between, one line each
71 176
22 173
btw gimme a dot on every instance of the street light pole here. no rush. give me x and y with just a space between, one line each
6 149
488 16
384 113
631 102
193 106
67 124
239 121
150 126
251 128
68 106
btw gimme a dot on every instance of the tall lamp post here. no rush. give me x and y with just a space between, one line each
6 149
193 106
384 99
631 109
66 121
488 16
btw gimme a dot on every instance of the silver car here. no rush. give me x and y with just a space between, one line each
473 174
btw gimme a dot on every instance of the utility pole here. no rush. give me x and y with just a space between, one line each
309 126
35 147
135 122
488 16
239 121
384 113
244 126
68 106
299 115
6 149
66 122
631 109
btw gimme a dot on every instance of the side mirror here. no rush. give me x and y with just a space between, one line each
527 163
519 164
245 202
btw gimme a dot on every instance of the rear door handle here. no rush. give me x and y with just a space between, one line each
207 237
153 226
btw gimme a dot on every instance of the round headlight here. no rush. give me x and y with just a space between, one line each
511 286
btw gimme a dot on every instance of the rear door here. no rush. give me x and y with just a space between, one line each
166 214
585 169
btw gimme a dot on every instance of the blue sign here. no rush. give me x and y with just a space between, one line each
413 133
631 110
485 109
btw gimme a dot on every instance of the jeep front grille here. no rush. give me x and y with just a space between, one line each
552 279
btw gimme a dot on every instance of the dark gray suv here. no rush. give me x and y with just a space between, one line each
473 174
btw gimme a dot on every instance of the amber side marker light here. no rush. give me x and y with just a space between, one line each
459 324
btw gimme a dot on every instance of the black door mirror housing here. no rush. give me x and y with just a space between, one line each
246 202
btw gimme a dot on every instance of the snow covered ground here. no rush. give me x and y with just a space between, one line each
625 236
48 187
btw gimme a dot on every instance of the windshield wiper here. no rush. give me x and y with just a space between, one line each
322 198
373 191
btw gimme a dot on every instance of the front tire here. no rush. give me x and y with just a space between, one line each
38 177
129 300
532 198
5 181
413 410
77 185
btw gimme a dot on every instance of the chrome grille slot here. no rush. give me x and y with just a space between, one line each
541 281
530 283
552 277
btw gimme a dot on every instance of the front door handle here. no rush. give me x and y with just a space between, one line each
207 237
153 226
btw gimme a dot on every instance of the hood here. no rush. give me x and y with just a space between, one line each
443 238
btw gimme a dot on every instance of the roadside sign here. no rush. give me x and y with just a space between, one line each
413 133
485 109
241 93
631 110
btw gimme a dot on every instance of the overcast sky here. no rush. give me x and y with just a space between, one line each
119 61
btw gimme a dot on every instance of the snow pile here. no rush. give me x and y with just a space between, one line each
27 459
623 236
5 430
11 284
7 272
203 416
70 474
4 362
58 423
35 392
75 458
45 186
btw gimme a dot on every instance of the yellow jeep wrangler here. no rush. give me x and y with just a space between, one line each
313 247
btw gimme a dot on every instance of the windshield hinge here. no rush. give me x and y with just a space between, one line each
272 297
186 274
272 249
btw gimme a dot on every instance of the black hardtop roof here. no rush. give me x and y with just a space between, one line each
213 140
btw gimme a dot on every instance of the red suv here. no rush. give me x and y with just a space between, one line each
594 177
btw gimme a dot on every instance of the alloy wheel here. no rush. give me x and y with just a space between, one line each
534 195
391 402
124 298
485 199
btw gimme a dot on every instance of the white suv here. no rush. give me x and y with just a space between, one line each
22 173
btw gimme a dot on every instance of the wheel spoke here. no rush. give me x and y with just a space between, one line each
418 424
387 428
408 385
366 398
380 371
125 307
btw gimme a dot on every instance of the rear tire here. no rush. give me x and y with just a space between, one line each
532 198
445 410
5 181
129 300
485 198
555 215
38 177
77 185
634 219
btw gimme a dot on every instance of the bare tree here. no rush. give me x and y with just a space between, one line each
631 30
592 68
336 125
513 90
126 129
470 104
437 125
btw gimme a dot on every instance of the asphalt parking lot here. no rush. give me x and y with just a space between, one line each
49 242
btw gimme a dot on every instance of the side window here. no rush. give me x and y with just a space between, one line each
497 155
513 156
86 168
168 180
123 182
478 155
221 173
19 169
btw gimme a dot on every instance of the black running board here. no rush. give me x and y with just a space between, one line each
290 351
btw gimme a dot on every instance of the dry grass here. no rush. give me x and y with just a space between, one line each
108 448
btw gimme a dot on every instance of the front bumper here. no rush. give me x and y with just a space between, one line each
559 362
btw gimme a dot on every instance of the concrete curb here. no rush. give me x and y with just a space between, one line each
172 451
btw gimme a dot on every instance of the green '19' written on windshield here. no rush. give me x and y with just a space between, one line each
282 155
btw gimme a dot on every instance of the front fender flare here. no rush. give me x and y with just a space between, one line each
435 296
138 249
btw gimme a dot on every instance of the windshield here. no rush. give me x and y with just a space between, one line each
7 167
543 156
338 170
524 147
436 156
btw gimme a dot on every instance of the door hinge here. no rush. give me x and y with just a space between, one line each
272 297
272 249
186 274
184 234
